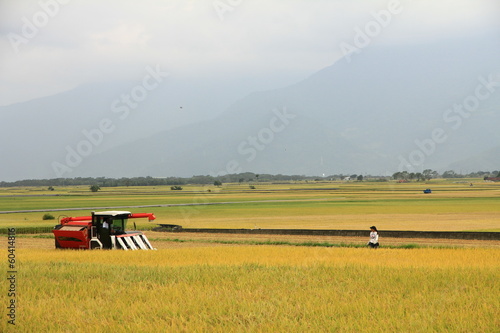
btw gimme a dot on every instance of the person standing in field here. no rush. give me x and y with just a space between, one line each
373 243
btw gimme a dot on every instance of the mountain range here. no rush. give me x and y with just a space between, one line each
390 108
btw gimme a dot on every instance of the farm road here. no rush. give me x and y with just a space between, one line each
159 205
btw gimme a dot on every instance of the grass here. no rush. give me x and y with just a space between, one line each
391 206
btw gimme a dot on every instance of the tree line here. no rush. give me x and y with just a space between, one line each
154 181
430 174
245 177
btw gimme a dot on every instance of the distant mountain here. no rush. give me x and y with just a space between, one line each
487 160
389 108
38 132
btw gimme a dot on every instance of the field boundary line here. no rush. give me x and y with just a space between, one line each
356 233
161 205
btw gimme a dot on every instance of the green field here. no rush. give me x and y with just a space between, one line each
453 206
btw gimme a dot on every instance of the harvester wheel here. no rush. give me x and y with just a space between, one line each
57 244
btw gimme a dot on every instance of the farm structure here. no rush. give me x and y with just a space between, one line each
101 230
492 179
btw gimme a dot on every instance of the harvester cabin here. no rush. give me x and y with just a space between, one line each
109 223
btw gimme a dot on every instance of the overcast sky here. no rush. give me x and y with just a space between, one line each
49 46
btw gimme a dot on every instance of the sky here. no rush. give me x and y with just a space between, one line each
51 46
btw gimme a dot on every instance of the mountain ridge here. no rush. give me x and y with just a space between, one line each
361 117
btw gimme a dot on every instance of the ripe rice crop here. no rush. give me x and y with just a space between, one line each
259 289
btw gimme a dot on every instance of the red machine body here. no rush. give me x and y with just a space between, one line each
104 230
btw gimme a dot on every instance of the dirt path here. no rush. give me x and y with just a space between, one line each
321 239
167 240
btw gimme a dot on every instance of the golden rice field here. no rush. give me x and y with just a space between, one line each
219 283
258 289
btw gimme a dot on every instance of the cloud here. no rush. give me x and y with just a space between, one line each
113 40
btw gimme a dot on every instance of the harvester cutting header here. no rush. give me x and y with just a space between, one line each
101 230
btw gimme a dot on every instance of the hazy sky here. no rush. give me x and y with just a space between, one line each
49 46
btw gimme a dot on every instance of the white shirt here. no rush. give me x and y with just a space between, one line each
374 237
105 225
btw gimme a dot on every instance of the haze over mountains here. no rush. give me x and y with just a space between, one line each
390 108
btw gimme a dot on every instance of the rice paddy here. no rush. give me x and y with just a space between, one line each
264 283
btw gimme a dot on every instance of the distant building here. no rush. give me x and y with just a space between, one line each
492 179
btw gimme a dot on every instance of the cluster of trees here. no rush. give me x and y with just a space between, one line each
418 176
152 181
478 174
430 174
247 177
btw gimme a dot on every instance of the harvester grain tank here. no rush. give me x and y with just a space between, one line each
101 230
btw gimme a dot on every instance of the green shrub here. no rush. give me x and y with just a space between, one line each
94 188
48 216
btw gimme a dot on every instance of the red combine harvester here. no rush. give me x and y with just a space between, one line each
101 230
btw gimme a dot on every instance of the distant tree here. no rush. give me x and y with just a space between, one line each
94 188
449 174
241 180
360 178
48 216
217 183
50 188
427 173
404 175
252 187
176 188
